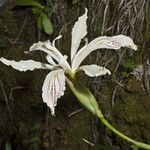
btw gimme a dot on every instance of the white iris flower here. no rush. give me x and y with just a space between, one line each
54 84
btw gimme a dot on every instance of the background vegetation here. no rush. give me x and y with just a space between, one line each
25 121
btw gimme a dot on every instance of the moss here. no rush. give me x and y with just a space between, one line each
130 111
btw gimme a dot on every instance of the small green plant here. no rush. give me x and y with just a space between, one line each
8 146
41 12
128 67
75 1
33 132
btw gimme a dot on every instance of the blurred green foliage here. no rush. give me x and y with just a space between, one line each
8 146
134 147
41 12
75 2
33 132
128 67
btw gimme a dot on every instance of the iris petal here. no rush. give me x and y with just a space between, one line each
94 70
53 88
114 42
25 65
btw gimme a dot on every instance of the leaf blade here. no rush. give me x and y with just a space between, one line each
28 3
47 25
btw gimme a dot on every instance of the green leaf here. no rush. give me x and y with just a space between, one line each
36 127
47 9
134 147
35 140
130 65
47 25
85 97
125 74
75 2
28 3
36 11
8 146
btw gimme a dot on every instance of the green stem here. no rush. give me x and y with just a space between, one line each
106 123
89 101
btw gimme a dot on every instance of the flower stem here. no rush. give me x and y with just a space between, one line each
107 124
88 100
